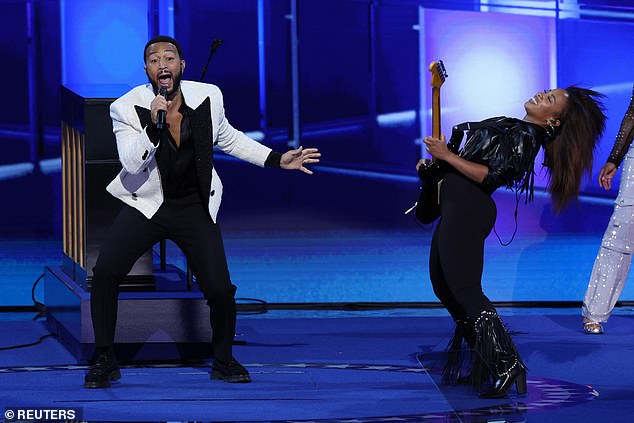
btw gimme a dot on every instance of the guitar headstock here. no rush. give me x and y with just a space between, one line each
438 73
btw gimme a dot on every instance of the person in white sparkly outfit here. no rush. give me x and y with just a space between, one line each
613 261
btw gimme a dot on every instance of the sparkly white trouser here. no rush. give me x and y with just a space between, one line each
613 261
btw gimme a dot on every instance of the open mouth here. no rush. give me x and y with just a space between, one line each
165 80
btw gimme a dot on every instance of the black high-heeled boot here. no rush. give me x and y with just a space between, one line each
497 364
515 373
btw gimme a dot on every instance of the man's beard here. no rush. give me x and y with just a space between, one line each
176 84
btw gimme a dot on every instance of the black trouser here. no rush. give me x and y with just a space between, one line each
457 250
188 224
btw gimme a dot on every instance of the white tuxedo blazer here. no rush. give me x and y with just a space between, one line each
139 182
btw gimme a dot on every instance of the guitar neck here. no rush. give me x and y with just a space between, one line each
435 112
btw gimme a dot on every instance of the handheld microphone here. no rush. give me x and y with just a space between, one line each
162 114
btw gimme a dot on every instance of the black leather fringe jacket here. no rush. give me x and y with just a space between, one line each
508 147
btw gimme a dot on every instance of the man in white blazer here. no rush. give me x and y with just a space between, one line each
166 131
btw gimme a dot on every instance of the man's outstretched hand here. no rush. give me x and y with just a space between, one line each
296 159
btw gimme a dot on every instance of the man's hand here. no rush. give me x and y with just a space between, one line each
296 159
606 174
159 103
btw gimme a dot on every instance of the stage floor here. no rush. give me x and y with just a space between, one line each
354 265
336 366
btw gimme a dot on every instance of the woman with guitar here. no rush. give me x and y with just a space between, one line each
566 123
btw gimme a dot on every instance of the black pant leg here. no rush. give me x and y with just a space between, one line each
200 240
468 215
131 235
438 281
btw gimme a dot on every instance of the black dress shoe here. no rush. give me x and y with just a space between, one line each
105 369
232 372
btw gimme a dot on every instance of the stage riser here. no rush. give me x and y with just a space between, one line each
168 325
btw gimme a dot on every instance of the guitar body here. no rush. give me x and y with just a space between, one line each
428 204
432 172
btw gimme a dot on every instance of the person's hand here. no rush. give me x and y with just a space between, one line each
437 147
159 103
422 163
606 174
296 159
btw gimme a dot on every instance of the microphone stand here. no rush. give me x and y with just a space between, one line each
214 46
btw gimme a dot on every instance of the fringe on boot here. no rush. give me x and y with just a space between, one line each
457 354
494 350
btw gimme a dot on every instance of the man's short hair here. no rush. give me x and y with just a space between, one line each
162 39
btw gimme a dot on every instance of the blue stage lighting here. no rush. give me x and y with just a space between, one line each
102 42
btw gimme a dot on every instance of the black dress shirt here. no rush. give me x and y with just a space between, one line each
178 173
